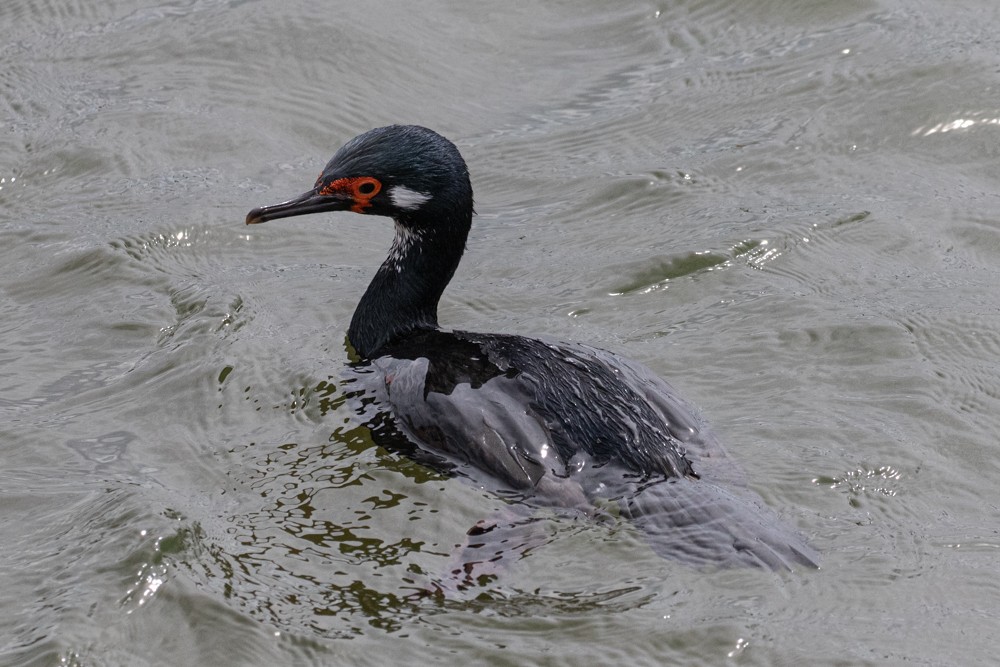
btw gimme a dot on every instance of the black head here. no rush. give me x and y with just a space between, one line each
405 172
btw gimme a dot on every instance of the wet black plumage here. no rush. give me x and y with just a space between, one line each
550 423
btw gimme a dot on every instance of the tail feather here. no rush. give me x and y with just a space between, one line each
703 524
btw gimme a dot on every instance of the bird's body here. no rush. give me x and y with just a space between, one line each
531 412
548 423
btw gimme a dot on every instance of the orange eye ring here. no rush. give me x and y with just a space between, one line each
360 189
365 187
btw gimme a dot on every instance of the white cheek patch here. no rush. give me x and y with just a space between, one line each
407 199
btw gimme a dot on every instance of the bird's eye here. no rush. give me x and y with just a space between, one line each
367 187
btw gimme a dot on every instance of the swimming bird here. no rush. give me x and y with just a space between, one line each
544 422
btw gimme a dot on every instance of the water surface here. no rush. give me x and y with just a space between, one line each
789 209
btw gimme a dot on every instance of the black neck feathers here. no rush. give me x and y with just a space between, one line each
404 294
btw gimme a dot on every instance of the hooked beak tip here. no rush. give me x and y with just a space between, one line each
256 216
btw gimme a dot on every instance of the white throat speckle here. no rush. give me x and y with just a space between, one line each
405 240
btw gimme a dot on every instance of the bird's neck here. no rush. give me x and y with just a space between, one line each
403 296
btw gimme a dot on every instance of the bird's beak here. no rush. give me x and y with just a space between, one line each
310 202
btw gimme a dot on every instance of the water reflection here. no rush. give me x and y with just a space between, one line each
955 124
865 482
332 545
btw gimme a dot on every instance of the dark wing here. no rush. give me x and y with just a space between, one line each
598 404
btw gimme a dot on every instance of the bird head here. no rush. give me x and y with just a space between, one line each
406 172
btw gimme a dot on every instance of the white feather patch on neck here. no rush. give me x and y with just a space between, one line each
407 199
402 244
